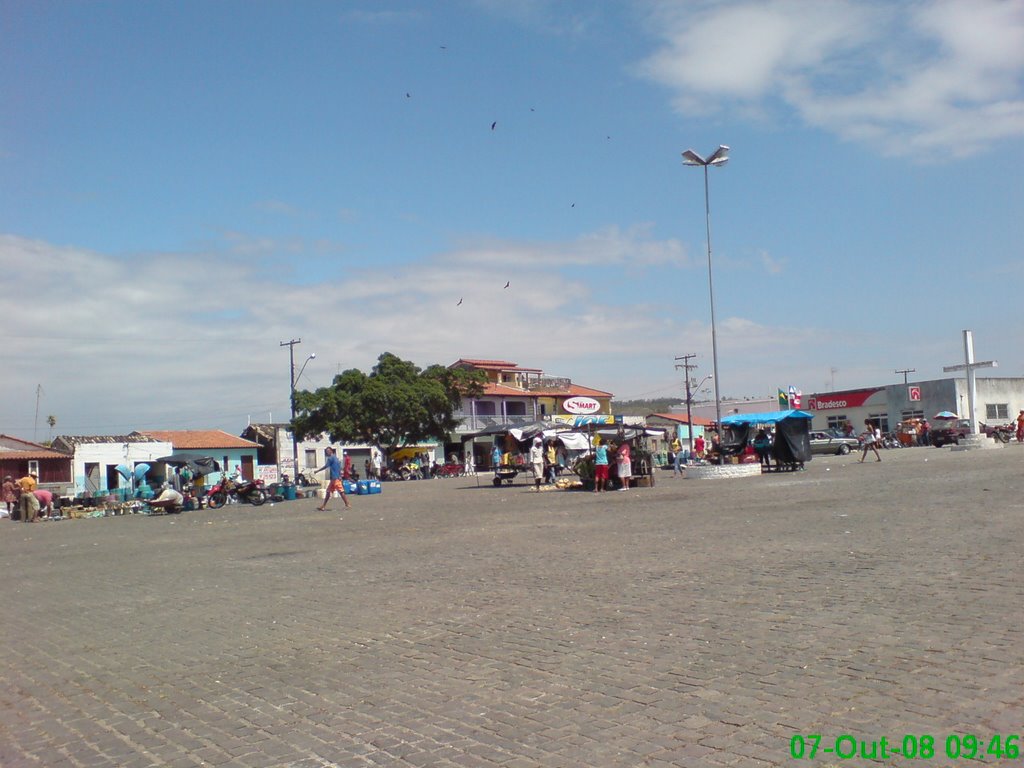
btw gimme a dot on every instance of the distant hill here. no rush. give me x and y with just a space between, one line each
644 407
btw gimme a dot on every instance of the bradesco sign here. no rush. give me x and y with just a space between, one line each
851 399
582 406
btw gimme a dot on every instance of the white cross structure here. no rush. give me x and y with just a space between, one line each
969 366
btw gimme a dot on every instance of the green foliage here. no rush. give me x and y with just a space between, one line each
396 404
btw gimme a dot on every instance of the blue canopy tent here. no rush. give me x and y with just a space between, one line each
792 444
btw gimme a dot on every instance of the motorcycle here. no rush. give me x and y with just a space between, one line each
1002 434
251 491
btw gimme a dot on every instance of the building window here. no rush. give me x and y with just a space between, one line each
880 420
837 422
310 458
997 411
485 408
515 409
912 415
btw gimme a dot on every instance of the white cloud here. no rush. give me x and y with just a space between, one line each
192 340
912 78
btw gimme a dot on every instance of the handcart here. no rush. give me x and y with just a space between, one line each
504 474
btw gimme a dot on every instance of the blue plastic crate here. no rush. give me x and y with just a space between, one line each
373 486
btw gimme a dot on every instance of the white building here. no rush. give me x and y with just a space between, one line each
95 458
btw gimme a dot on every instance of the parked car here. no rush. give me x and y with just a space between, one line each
831 442
949 432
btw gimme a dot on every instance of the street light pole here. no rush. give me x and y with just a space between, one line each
294 379
719 157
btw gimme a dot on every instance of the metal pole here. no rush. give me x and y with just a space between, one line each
711 293
689 418
295 443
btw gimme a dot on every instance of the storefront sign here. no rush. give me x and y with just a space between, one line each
583 421
581 405
852 399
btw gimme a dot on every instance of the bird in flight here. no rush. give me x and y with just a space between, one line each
460 302
408 95
508 283
494 125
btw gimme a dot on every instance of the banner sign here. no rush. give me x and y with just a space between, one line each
601 419
853 399
581 405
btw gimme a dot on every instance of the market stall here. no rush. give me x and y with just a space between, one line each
791 442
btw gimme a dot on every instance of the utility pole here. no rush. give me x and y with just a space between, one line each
35 424
295 443
905 371
687 365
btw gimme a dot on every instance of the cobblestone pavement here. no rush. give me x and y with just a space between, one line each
701 623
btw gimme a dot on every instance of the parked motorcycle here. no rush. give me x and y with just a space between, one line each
251 491
1002 434
891 440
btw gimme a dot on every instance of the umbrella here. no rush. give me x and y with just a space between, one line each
946 415
201 465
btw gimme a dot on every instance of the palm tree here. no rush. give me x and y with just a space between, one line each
52 421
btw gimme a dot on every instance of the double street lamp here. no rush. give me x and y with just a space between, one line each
295 380
719 157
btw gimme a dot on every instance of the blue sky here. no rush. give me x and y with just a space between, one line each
185 185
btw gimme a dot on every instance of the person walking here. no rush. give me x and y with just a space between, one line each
871 437
335 482
677 456
1020 427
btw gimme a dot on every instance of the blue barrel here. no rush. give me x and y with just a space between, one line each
289 492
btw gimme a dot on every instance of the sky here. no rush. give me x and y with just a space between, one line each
186 185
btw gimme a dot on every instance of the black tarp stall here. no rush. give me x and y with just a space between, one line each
792 443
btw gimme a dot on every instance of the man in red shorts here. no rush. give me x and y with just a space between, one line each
334 482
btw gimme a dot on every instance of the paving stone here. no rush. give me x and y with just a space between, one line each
694 623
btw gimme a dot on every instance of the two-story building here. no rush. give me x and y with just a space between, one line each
515 396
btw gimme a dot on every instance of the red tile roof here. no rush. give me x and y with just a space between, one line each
188 439
493 365
13 449
490 388
573 390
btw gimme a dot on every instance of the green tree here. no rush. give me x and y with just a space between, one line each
396 404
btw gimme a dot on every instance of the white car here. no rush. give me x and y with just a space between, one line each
828 443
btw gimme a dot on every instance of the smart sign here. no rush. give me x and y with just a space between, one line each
581 405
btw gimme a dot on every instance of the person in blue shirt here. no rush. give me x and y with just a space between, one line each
600 467
496 456
333 467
